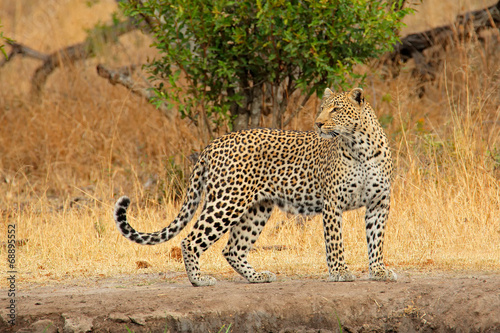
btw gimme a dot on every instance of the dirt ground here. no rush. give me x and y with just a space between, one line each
445 302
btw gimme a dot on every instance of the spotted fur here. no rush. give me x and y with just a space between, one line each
344 165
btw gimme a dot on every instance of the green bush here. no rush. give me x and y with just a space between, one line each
221 58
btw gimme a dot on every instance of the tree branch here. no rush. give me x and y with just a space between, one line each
123 77
71 54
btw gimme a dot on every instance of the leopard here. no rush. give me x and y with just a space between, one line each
343 164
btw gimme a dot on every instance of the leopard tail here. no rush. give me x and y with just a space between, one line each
189 206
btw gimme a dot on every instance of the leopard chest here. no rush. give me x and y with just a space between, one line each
358 185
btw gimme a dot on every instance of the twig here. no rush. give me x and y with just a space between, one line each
297 110
23 50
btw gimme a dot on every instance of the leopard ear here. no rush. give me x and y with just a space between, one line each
357 97
328 93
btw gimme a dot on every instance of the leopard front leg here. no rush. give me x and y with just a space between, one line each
375 219
332 229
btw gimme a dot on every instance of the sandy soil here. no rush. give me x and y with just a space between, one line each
150 303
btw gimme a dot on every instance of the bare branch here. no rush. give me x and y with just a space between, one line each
71 54
123 77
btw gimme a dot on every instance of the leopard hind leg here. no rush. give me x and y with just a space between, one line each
241 239
210 226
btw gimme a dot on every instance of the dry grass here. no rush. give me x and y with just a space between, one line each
64 161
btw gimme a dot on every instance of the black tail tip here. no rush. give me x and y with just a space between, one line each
123 202
121 210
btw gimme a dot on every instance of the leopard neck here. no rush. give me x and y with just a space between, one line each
365 140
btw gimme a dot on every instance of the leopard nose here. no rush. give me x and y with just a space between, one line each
319 124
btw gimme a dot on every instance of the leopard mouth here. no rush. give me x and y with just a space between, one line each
328 135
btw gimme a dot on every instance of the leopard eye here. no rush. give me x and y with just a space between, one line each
335 109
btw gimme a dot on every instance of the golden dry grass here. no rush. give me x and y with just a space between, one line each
64 161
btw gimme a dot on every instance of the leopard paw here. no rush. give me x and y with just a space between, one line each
383 274
263 277
204 281
344 275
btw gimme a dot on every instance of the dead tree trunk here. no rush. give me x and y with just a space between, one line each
465 26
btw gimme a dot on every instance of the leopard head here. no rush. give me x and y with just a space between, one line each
341 113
